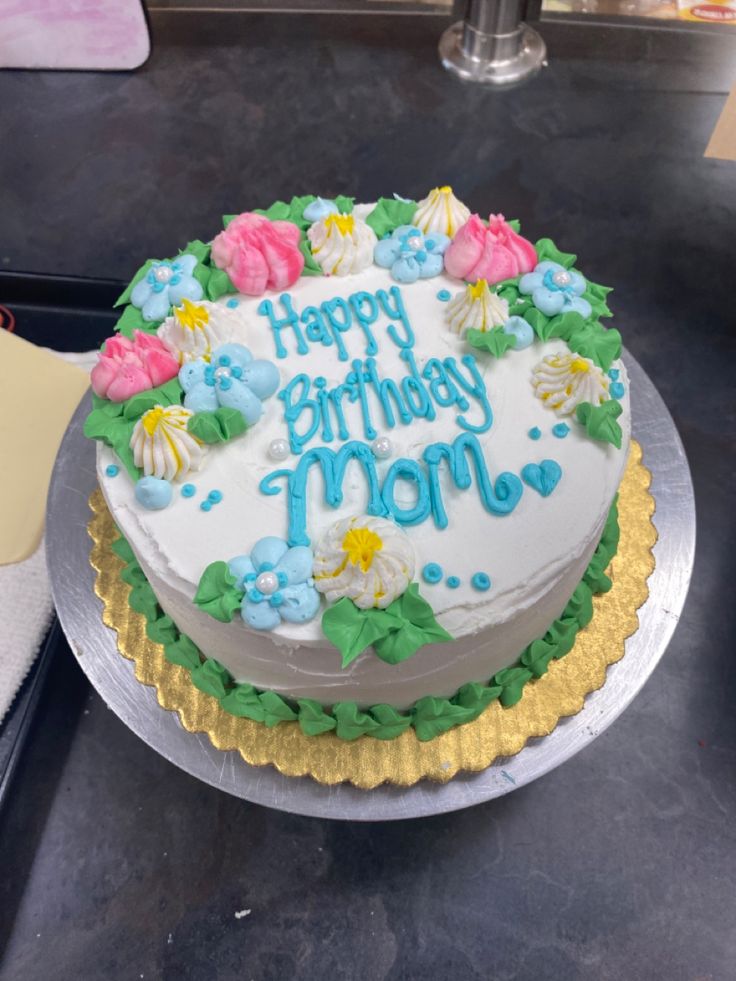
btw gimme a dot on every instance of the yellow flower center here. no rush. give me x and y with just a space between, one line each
445 190
191 315
579 366
478 289
152 419
361 544
344 223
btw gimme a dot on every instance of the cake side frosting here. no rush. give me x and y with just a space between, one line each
478 421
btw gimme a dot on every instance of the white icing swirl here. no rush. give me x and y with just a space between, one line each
440 211
342 244
195 329
477 307
563 381
162 446
369 560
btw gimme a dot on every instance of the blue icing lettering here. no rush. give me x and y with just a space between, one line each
290 320
414 390
315 326
339 324
357 303
294 409
386 389
408 470
452 395
397 312
475 387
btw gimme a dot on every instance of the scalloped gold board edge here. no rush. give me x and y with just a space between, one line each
368 762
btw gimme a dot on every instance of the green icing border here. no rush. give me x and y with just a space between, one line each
430 716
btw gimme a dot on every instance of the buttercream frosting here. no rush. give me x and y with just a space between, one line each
342 244
441 212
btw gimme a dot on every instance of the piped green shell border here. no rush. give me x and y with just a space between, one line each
429 717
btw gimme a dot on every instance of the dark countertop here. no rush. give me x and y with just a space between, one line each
621 863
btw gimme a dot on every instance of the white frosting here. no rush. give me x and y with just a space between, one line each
441 211
535 556
162 446
342 244
476 307
369 560
563 381
194 330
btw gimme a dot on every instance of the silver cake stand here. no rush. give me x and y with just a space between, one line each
94 644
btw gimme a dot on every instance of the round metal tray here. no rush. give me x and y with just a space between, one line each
94 644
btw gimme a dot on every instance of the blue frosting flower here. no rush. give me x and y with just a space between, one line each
555 289
278 584
411 255
231 378
165 285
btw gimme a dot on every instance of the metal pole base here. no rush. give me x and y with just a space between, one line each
525 62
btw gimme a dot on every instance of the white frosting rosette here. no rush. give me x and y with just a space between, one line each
440 211
194 330
369 560
476 307
563 381
342 244
162 445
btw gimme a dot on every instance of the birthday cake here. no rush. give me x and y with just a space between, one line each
363 460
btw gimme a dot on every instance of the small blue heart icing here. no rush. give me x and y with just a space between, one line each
543 477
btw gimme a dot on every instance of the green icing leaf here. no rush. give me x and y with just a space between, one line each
313 719
596 295
199 249
143 600
563 325
389 213
547 251
142 272
391 722
601 345
278 211
311 266
123 550
244 702
170 393
351 722
211 677
115 431
600 421
535 318
226 219
218 284
217 594
433 716
580 606
183 652
163 630
275 709
217 427
345 205
595 575
417 627
495 341
512 681
515 224
537 656
352 630
132 320
562 635
474 698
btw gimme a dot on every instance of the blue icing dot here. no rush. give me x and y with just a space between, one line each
188 490
232 304
535 432
616 390
453 582
613 374
481 582
444 295
112 470
215 496
153 493
521 331
432 572
205 506
561 430
320 208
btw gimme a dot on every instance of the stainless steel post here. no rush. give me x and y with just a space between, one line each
493 44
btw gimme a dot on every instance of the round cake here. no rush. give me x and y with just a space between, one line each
364 459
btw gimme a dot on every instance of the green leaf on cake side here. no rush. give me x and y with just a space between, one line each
389 213
170 393
211 677
592 340
495 341
395 633
217 593
183 652
244 702
311 266
132 320
218 284
600 421
547 251
313 719
219 426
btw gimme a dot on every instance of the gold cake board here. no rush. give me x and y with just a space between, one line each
369 762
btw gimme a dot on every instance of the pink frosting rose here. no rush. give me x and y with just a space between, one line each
128 366
259 254
493 253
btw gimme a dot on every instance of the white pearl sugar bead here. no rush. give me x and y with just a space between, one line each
162 274
561 278
278 449
222 372
382 447
267 583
